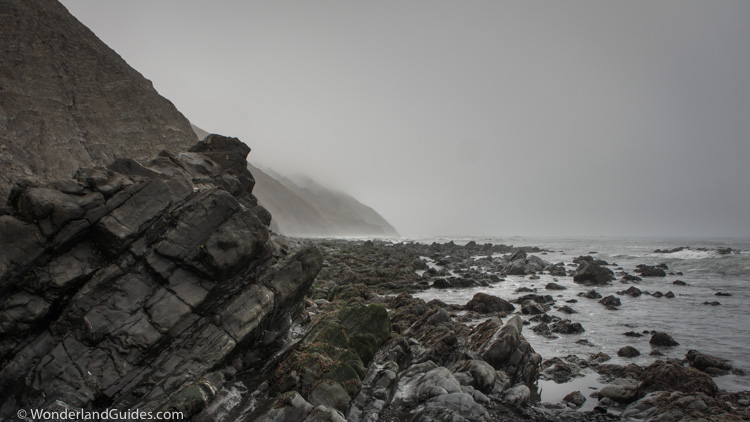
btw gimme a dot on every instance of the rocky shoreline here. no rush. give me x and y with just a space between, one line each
160 287
448 335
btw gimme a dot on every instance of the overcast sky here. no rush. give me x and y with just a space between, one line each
471 117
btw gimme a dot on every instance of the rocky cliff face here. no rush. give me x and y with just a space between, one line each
68 100
142 287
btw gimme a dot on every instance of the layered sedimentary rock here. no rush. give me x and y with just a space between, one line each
67 100
135 286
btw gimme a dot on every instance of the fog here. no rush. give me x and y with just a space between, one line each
471 118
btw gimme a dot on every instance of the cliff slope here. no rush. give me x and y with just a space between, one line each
310 209
68 100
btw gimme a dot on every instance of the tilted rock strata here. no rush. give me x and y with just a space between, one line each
131 286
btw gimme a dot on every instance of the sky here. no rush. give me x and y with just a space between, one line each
471 118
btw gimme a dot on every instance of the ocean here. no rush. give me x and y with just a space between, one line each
722 331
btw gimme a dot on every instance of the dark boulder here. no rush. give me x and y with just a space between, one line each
566 327
665 376
651 271
611 302
593 274
661 339
709 364
574 399
591 294
628 352
589 259
557 270
486 304
631 291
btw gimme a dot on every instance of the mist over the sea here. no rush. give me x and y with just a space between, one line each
478 118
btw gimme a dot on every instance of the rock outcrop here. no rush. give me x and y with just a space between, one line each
143 287
69 101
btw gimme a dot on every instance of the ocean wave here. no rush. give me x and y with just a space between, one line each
688 254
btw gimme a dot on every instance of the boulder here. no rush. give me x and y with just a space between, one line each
589 273
611 302
661 339
566 327
651 271
574 399
623 390
486 304
666 376
628 352
503 347
631 291
709 364
591 294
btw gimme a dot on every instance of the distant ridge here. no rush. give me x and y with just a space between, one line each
298 210
308 209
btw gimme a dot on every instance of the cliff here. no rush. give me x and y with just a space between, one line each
314 210
68 100
137 286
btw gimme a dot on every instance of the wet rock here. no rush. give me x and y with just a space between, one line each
722 294
483 375
567 310
611 302
599 358
622 390
651 271
661 339
557 270
558 370
591 294
714 303
503 347
630 277
437 382
518 395
155 275
669 295
679 283
589 259
544 331
485 304
631 291
517 267
335 351
566 327
575 399
628 352
709 364
454 406
531 307
665 376
589 273
554 286
441 283
679 406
